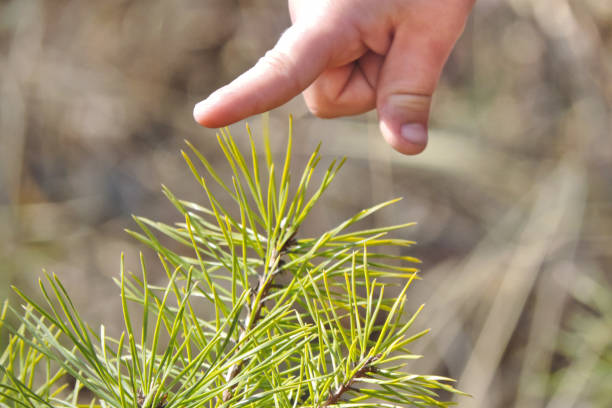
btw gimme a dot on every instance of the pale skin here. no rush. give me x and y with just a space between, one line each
348 57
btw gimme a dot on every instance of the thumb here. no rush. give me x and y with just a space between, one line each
407 81
298 57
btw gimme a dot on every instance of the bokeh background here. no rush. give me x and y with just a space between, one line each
513 197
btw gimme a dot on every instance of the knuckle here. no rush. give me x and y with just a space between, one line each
409 106
321 111
410 101
319 103
325 103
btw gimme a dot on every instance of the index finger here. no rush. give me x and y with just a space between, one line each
296 60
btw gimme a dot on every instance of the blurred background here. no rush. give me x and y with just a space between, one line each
513 196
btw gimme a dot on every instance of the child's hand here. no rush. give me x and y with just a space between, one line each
348 57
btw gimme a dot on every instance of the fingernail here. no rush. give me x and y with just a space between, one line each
414 133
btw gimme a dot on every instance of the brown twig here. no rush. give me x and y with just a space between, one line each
364 371
141 397
265 283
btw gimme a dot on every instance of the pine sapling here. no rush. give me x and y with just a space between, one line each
252 315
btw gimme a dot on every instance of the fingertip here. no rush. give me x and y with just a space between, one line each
209 112
408 138
403 120
198 110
